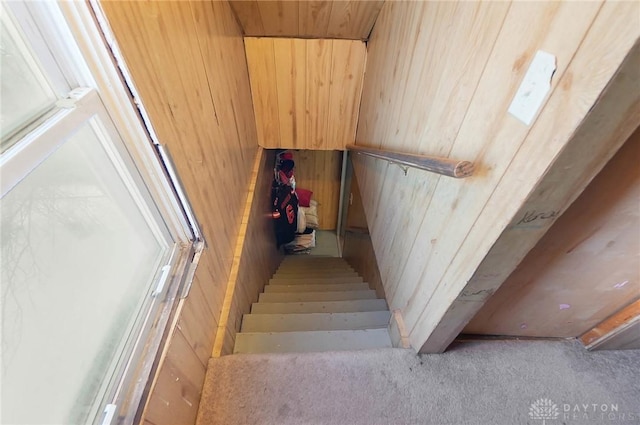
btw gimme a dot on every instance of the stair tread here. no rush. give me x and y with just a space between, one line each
309 272
311 258
315 280
315 321
316 296
350 306
311 341
315 276
318 287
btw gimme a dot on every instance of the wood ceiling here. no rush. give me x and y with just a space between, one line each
307 19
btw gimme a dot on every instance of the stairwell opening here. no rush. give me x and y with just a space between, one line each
327 297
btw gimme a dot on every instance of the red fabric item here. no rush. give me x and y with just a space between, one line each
286 155
304 197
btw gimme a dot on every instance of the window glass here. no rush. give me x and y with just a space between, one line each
78 260
25 92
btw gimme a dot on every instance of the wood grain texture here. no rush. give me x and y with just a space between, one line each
618 331
607 124
443 166
358 249
178 389
320 172
625 338
188 64
307 19
306 92
261 61
356 217
256 257
279 18
584 269
434 92
318 93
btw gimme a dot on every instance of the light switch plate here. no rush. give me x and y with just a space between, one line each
534 87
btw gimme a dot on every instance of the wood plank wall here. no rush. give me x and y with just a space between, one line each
187 61
306 93
307 19
320 172
445 92
357 248
584 269
256 257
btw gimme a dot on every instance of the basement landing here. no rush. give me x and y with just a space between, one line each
326 244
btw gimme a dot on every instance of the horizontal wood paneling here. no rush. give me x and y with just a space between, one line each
256 257
188 64
584 269
445 92
307 19
306 93
320 172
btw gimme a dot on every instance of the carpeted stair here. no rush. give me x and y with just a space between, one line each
314 304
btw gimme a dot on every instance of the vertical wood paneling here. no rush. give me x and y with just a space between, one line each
320 171
406 66
256 257
188 64
290 75
318 93
588 260
603 128
262 70
307 19
345 91
459 203
440 77
306 92
299 84
358 249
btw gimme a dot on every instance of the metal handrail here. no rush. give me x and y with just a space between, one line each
444 166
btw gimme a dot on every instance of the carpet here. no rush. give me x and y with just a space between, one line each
475 382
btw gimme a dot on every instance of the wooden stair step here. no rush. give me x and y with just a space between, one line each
328 275
300 267
315 280
285 297
351 306
315 321
303 266
318 287
308 270
311 341
310 258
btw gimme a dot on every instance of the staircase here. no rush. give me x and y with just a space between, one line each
314 304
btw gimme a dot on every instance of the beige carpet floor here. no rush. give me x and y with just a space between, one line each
476 382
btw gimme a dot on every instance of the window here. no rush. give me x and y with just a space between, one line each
94 242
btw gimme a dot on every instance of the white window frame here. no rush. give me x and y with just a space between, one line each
76 44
